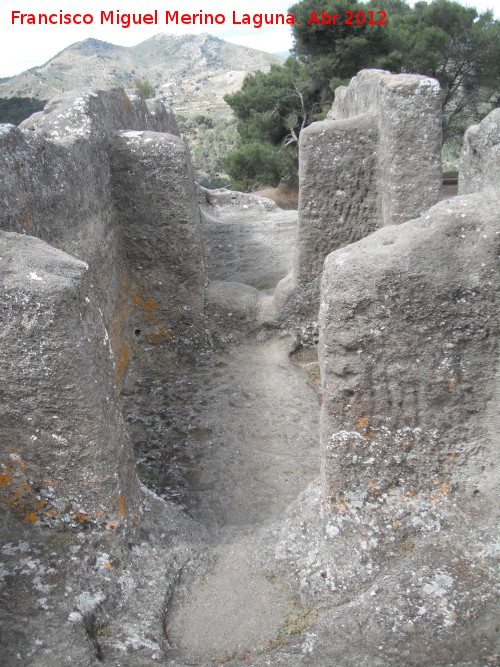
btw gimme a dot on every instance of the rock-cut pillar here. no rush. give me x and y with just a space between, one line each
65 457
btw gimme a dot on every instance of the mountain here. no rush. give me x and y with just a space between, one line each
191 72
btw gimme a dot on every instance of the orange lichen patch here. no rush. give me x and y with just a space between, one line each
159 336
9 502
50 513
18 494
405 443
135 519
107 563
122 363
340 503
441 492
21 490
136 299
413 493
126 104
5 479
81 517
396 523
373 485
112 524
450 383
28 220
122 505
19 464
363 425
450 458
150 305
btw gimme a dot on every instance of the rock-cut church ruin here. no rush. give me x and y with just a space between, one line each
106 250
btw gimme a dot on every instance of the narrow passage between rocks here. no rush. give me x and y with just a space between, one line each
232 435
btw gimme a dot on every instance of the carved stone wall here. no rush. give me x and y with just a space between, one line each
65 457
480 159
156 209
375 161
98 175
409 425
407 111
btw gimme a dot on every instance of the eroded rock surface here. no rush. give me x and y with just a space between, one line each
59 183
375 161
158 218
387 558
409 432
480 159
65 456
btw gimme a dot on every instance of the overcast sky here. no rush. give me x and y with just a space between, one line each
25 46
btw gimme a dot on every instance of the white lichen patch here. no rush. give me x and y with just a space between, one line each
87 602
439 586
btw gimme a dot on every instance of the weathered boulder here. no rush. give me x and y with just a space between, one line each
95 114
409 426
338 201
222 199
480 159
56 184
65 457
157 213
407 111
135 236
375 161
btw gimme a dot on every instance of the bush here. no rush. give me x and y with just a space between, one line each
16 109
256 164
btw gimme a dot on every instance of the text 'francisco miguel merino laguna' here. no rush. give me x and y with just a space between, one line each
125 20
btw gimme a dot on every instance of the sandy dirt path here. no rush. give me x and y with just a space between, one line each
232 436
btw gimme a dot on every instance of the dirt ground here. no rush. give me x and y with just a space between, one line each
231 436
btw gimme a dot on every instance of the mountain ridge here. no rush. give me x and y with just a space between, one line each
190 72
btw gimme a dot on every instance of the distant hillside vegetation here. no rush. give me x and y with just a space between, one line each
16 109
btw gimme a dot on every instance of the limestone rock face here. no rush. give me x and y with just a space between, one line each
57 185
375 161
338 201
66 457
409 426
157 212
407 108
95 114
59 191
480 159
136 233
